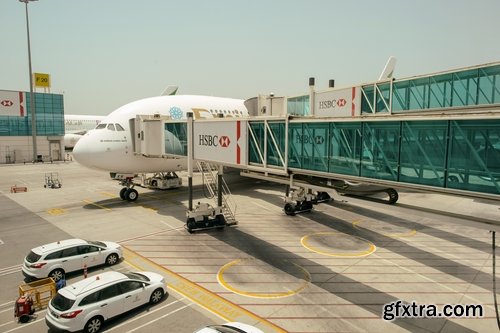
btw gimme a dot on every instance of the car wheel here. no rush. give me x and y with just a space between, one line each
112 259
156 296
94 325
57 274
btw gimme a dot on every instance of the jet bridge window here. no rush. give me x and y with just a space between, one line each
119 127
111 127
101 126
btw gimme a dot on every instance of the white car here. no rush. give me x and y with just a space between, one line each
56 259
233 327
86 304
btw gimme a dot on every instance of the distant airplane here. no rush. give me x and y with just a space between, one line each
75 126
110 147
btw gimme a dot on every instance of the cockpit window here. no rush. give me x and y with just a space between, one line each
119 127
101 126
111 127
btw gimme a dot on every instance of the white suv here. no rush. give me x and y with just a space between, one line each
88 303
55 259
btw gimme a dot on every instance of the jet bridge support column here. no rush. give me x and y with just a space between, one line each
190 159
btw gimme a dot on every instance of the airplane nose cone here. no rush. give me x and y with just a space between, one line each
82 152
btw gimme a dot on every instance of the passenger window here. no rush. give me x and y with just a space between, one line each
83 249
119 127
72 251
92 298
54 255
101 126
127 286
94 249
111 127
109 292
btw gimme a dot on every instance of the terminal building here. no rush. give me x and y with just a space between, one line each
16 141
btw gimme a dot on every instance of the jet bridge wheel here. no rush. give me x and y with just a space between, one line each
393 196
289 209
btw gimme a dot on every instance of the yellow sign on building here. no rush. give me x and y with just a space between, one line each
42 80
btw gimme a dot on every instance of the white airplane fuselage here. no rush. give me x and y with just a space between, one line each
110 147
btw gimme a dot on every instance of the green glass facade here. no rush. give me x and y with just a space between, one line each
49 117
471 87
458 154
298 106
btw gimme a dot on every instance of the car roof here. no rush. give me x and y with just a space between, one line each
59 245
92 283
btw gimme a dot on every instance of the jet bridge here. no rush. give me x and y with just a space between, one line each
437 133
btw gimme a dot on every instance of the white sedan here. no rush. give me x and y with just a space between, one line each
56 259
87 304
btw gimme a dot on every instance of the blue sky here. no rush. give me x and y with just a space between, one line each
102 54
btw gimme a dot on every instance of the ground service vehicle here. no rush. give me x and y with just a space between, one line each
56 259
87 304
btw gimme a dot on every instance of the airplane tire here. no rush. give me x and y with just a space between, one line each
122 193
132 194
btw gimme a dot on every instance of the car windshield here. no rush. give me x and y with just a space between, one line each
62 303
226 329
137 276
97 243
33 257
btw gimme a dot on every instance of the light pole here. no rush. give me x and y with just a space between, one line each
32 97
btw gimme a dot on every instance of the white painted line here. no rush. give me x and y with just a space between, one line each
143 315
7 303
165 315
28 324
1 242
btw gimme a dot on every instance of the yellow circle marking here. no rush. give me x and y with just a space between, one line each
410 233
225 284
56 211
305 243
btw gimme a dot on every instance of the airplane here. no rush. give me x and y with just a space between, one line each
109 146
75 126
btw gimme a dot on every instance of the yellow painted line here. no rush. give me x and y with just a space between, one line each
203 297
410 233
225 284
97 205
304 241
56 211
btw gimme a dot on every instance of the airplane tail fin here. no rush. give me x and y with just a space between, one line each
388 69
169 90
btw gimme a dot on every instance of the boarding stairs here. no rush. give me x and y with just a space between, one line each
209 174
